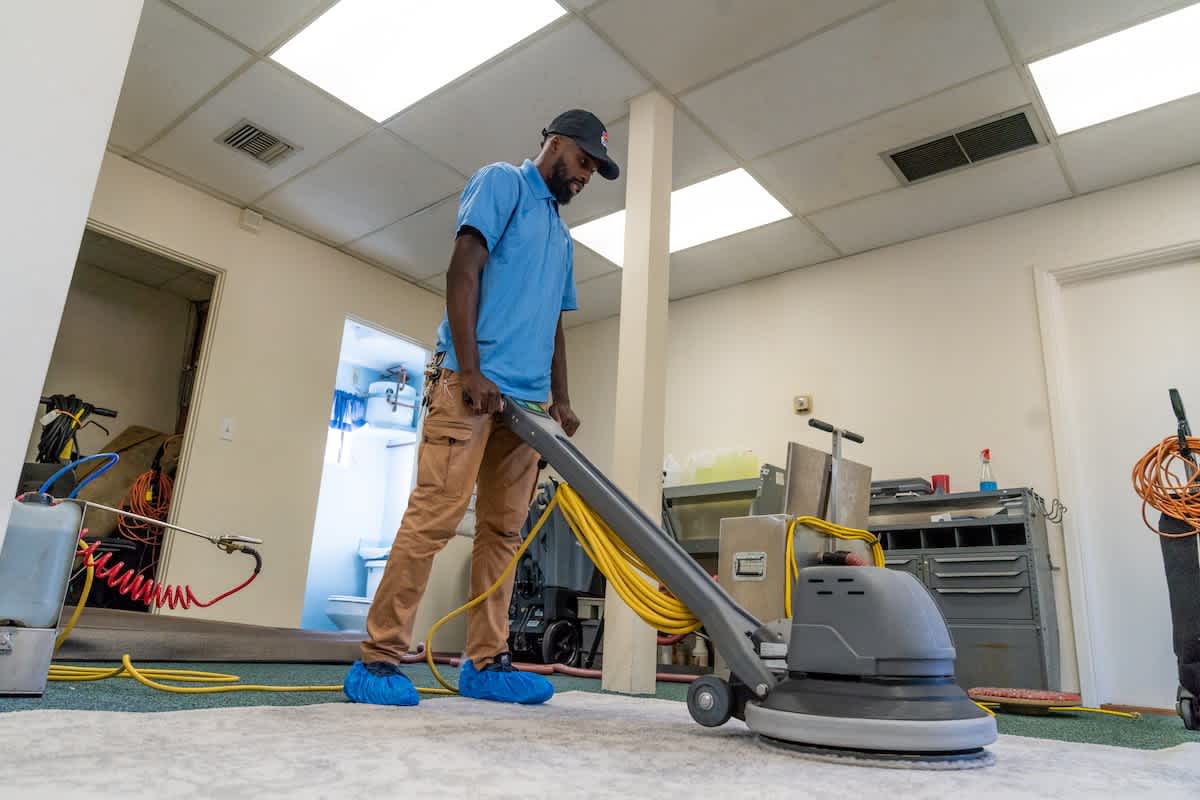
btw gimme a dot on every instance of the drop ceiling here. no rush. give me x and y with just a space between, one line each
804 96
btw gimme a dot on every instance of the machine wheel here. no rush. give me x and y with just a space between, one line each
561 643
1188 706
710 701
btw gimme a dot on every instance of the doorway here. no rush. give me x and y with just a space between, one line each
368 473
121 380
1127 339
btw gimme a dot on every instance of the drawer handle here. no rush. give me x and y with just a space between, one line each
970 559
1012 574
1015 590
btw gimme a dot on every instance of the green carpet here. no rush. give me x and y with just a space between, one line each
1147 733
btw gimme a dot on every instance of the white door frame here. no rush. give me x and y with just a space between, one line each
1048 285
189 434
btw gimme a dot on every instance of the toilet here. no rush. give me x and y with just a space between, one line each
349 612
449 586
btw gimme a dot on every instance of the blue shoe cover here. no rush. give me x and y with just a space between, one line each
501 681
380 684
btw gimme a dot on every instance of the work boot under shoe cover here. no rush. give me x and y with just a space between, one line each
502 682
379 683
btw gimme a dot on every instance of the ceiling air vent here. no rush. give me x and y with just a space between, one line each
995 136
257 143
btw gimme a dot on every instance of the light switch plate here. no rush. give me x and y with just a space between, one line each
802 403
227 429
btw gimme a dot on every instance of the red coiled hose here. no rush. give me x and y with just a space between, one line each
145 590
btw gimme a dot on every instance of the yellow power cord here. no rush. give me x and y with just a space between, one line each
829 529
633 580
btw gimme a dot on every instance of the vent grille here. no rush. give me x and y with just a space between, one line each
997 136
263 146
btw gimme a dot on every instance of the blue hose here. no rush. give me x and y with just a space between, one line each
113 458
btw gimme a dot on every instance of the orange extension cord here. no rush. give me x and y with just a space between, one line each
149 498
1170 483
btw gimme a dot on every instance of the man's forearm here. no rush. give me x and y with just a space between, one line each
558 368
462 300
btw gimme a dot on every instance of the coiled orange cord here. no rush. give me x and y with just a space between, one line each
1158 480
149 498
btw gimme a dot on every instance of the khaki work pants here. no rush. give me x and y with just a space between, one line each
458 449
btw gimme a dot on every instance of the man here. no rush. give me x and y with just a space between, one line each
510 278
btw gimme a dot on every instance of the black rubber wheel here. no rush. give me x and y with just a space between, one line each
1188 706
710 701
561 644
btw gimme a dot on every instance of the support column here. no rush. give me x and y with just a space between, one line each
62 64
630 652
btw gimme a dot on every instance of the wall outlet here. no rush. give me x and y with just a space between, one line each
227 429
802 403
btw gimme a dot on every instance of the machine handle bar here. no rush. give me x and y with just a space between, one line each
825 426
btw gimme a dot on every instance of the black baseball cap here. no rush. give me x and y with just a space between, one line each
591 136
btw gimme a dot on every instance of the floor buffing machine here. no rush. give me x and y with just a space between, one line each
868 668
865 671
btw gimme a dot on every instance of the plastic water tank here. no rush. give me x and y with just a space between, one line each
35 563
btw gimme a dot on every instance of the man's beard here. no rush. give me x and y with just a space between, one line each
559 184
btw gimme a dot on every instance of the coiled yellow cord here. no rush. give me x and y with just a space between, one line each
829 529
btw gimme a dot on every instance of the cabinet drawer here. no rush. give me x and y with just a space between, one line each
985 602
909 564
986 571
999 655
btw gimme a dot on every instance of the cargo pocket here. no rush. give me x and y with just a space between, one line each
444 460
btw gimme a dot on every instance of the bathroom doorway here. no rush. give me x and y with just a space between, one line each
368 473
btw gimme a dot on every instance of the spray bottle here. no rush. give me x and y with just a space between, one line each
986 482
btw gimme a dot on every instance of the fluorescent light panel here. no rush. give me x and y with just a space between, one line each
1132 70
703 212
381 56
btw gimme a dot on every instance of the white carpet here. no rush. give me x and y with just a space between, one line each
581 745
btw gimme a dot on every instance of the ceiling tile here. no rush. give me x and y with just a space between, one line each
498 114
598 298
709 37
696 156
989 190
374 182
589 264
193 285
437 284
1040 27
127 261
845 165
1133 147
778 247
274 99
255 24
175 61
892 56
418 245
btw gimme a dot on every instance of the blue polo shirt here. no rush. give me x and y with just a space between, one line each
527 281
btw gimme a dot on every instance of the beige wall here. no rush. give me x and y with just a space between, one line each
930 349
270 364
120 345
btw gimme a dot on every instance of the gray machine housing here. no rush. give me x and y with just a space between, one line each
869 666
867 622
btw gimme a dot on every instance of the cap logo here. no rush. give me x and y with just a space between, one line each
604 139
